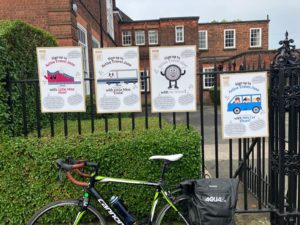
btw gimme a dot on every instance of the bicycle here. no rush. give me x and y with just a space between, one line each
76 212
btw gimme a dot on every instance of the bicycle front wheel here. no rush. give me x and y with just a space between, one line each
66 212
168 215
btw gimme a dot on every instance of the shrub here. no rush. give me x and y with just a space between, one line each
18 42
29 175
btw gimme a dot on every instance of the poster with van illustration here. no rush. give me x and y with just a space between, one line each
61 79
244 105
173 78
117 84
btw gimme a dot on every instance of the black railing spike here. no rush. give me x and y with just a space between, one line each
244 62
234 65
259 62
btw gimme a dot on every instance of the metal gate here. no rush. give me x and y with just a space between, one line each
285 135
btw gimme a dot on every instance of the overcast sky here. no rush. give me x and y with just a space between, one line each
284 15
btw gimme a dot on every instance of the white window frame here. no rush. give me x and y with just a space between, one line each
110 18
260 38
137 33
150 33
130 35
95 41
205 76
86 54
234 39
142 81
206 39
177 36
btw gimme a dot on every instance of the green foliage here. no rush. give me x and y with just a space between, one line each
18 42
29 175
212 95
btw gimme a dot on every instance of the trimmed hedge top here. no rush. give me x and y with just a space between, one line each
29 174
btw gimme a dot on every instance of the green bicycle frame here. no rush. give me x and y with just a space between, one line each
111 212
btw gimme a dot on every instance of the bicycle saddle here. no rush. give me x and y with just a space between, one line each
167 157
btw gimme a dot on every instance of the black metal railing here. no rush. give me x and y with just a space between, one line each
248 159
285 135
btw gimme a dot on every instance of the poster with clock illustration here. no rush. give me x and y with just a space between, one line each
173 79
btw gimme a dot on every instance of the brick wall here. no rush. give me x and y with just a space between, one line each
14 9
215 33
166 33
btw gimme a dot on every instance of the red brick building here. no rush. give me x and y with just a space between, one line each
231 46
224 44
99 23
72 22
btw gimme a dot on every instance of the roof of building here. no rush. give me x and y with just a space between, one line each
235 21
124 16
162 19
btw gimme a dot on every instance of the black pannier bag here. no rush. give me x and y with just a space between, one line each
212 201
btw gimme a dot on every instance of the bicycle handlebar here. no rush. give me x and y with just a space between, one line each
76 165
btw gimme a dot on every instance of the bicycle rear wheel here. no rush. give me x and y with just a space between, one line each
64 213
168 215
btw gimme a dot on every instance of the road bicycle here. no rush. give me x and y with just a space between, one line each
81 211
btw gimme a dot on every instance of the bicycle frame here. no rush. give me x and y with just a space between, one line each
100 179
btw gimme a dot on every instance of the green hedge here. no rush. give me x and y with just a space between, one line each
29 175
18 42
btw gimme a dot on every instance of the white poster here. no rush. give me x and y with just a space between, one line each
117 80
244 105
61 79
173 79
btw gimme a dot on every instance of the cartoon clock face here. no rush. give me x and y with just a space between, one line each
173 72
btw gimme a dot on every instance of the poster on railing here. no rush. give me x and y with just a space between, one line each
173 79
117 80
61 79
244 105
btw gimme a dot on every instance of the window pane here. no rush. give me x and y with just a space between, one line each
110 18
82 42
208 78
140 37
202 39
143 83
153 37
126 38
95 43
255 38
229 38
179 34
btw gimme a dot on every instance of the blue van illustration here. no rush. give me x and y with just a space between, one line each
245 102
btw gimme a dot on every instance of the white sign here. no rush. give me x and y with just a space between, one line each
173 79
244 105
117 80
61 79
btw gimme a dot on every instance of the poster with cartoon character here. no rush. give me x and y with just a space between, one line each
61 79
117 80
244 105
173 79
